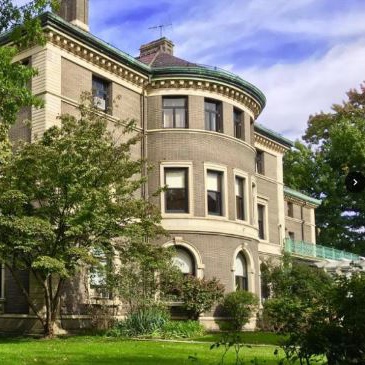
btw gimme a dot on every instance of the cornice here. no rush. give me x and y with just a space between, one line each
204 84
96 58
269 143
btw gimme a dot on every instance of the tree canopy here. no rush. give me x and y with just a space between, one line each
73 190
333 145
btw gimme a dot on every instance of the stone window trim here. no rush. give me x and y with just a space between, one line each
171 165
246 213
180 242
264 202
224 189
251 272
174 109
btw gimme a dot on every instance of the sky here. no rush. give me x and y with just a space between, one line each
302 54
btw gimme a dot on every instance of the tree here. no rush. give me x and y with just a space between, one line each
334 145
23 29
62 197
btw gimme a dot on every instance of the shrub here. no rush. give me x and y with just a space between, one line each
239 306
141 322
199 295
182 329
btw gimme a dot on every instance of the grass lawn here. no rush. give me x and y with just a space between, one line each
99 350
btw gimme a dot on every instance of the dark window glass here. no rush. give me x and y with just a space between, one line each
213 115
176 195
241 273
261 220
237 121
100 93
291 236
260 162
290 209
214 192
174 112
239 191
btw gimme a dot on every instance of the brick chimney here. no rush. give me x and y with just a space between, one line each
76 12
162 45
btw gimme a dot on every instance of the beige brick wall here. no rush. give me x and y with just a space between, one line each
198 148
196 112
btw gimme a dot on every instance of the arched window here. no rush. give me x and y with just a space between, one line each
241 273
184 260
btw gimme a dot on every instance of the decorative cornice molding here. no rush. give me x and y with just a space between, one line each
269 143
186 82
98 59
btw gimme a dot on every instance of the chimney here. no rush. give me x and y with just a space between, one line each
162 45
76 12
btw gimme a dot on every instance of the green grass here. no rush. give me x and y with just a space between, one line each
255 338
100 350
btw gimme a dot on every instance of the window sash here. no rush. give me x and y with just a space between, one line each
176 195
259 162
237 120
261 221
213 116
290 210
174 113
241 283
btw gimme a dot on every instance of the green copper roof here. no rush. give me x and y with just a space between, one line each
301 196
260 129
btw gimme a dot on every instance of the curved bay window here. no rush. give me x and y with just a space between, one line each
241 273
184 260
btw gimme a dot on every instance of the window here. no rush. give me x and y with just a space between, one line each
261 220
100 93
291 235
214 192
260 168
176 195
213 115
98 275
290 209
237 123
184 260
241 273
240 204
174 112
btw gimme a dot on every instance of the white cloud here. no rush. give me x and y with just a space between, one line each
294 91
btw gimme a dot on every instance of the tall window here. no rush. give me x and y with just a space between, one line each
241 273
101 90
213 115
260 168
175 112
261 220
184 260
240 204
214 192
176 195
98 275
290 209
237 122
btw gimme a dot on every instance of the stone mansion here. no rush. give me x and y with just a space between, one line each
225 207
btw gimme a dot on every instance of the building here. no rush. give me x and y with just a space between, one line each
226 208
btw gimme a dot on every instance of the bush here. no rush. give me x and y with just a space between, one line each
239 306
199 295
141 322
182 329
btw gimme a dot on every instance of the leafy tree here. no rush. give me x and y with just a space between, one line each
23 29
66 195
334 144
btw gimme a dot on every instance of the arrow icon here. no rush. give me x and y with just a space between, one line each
355 182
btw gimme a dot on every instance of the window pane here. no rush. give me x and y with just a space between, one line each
213 181
260 209
176 200
241 266
175 178
168 118
180 118
239 187
210 106
183 260
214 203
173 102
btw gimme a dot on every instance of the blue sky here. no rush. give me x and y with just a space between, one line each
303 54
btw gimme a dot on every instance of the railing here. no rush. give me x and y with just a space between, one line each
317 251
